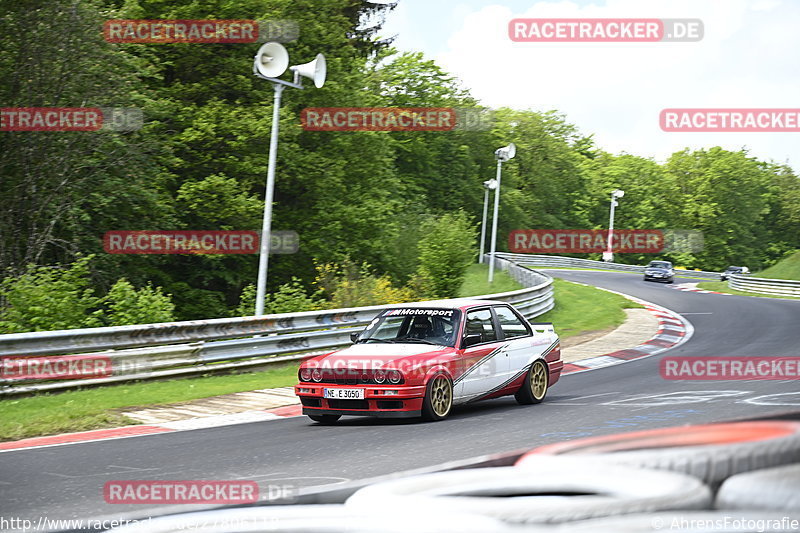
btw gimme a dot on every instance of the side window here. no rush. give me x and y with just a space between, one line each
480 322
511 325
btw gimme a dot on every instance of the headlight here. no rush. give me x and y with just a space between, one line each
316 375
380 376
394 377
305 374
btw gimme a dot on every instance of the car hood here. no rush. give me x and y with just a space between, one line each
657 270
375 355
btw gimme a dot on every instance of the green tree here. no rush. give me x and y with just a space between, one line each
445 251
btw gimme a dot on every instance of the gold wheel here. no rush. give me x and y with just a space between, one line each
441 396
538 380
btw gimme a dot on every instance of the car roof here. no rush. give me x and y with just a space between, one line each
456 303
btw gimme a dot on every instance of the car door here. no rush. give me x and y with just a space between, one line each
486 363
517 339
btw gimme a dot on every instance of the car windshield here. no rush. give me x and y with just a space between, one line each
413 326
660 264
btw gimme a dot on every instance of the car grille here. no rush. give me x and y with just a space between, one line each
311 402
348 404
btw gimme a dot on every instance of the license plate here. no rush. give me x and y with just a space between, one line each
345 394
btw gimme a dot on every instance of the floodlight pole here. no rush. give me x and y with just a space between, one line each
494 221
487 186
266 228
609 253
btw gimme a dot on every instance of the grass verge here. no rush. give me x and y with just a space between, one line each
579 309
722 286
787 268
82 410
582 309
475 282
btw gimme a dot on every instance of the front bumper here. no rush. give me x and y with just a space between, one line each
388 401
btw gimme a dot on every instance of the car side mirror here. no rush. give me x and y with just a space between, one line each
354 336
472 339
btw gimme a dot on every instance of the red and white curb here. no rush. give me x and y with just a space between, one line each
673 330
692 287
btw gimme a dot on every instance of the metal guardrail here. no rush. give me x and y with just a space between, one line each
574 262
779 287
176 349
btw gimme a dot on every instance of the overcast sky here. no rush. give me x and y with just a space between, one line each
749 58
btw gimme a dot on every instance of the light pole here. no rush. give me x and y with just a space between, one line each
271 61
608 255
502 155
488 185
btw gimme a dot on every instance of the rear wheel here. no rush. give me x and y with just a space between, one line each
325 419
438 399
534 389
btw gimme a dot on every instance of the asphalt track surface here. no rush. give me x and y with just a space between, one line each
67 481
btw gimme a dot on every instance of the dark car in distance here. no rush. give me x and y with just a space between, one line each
733 270
659 271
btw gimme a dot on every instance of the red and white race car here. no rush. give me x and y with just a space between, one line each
421 359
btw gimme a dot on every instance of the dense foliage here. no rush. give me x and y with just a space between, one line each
404 203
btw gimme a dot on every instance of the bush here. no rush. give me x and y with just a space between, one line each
48 298
290 297
351 285
56 297
125 305
445 252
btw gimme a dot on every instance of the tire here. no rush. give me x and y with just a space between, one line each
554 490
534 388
772 489
710 452
438 401
325 419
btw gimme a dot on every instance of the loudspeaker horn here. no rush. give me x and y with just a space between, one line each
271 60
314 70
507 152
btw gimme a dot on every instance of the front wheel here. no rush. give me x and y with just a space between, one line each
438 399
325 419
534 389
